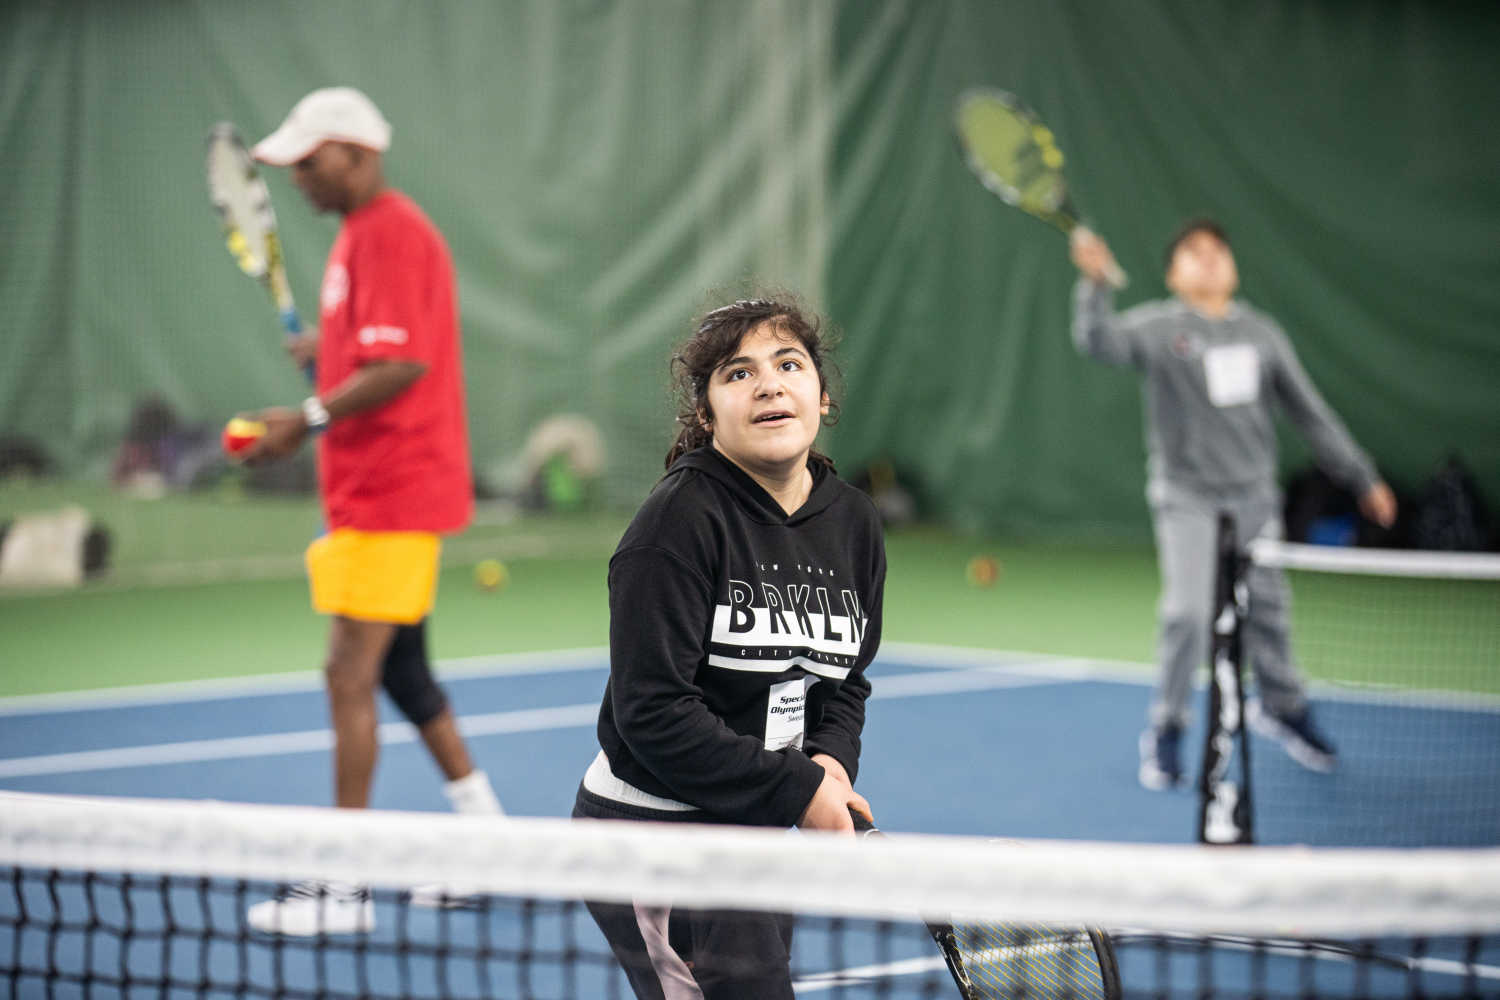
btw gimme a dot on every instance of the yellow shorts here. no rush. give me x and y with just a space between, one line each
380 576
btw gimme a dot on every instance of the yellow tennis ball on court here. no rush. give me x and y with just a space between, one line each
982 571
491 574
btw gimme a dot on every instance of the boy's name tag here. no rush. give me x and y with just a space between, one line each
1233 374
786 707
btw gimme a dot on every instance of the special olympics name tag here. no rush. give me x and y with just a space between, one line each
1233 374
786 707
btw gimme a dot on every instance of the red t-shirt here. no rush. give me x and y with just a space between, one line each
388 293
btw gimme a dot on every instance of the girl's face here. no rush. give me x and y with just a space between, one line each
767 403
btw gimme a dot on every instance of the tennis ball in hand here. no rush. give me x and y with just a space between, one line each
491 574
982 571
240 434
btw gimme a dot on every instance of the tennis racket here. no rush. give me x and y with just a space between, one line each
997 960
243 201
1015 156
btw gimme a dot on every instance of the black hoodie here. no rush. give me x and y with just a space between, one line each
738 641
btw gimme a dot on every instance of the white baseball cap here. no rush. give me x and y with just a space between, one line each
332 114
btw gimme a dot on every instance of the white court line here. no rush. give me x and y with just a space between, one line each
981 958
501 665
1303 950
819 982
953 681
272 744
1051 667
920 654
946 670
521 664
494 723
865 974
1043 666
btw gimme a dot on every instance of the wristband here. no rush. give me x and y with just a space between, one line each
315 414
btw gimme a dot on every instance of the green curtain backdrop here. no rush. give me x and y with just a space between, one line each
1347 148
604 169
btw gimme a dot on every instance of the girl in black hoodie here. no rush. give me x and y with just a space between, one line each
745 603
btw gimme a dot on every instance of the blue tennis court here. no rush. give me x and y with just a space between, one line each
954 743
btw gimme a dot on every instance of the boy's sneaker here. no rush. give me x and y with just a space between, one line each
1161 761
310 908
1301 739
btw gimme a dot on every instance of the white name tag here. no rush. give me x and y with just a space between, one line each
1233 374
785 709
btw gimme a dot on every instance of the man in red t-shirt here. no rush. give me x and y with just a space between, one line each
393 464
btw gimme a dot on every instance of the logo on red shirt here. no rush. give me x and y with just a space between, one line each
371 335
335 287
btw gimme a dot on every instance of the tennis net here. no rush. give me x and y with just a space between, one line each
1402 650
121 898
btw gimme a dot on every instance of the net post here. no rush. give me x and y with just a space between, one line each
1224 815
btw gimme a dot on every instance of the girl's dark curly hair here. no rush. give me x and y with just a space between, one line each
717 338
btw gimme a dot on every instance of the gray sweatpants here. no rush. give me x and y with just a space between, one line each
1186 525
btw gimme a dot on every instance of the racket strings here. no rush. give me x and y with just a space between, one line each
243 202
1011 960
1015 155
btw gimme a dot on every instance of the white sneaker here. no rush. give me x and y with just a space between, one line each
473 795
440 896
310 908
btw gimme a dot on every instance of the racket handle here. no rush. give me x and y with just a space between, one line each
1113 275
1116 277
861 825
292 324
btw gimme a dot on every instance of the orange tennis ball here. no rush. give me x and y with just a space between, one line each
240 434
982 571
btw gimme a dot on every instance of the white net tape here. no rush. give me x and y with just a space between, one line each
1375 562
1262 891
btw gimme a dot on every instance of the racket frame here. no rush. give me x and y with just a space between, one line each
1061 214
260 257
946 938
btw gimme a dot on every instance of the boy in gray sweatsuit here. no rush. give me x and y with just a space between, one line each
1214 370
